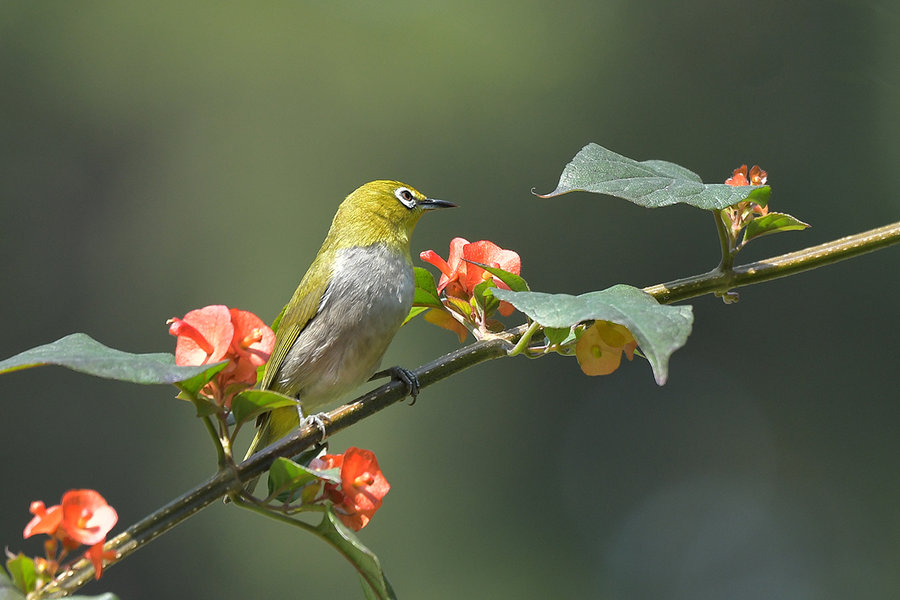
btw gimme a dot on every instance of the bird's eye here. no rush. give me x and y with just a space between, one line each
405 197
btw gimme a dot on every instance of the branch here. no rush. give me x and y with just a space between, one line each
228 480
792 263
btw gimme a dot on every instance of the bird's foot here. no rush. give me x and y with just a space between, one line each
319 420
401 374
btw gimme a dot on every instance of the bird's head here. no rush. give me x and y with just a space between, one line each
382 211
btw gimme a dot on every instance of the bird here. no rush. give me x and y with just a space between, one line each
334 331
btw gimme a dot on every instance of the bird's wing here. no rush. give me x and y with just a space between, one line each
297 318
288 326
269 427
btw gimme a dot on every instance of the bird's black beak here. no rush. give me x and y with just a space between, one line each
431 203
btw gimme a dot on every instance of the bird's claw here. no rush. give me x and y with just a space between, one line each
407 377
319 420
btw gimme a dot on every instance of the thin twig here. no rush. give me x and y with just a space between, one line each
778 266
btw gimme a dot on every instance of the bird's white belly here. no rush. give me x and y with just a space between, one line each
341 347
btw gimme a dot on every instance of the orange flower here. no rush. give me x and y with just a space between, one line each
214 333
743 212
599 349
758 176
740 176
489 253
362 487
86 517
83 517
467 276
459 278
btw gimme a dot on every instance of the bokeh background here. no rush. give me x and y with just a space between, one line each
162 157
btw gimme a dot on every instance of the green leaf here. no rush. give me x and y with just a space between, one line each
659 329
515 283
484 299
371 594
287 477
426 293
463 307
249 404
366 563
24 577
760 195
558 335
649 183
194 384
106 596
772 223
203 406
414 312
84 354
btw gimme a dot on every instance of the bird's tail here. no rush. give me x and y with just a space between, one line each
272 427
260 440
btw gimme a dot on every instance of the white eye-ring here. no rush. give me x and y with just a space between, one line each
405 197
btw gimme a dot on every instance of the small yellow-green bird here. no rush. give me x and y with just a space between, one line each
332 334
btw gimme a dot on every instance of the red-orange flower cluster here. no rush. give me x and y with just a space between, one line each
740 176
362 487
215 333
739 215
756 176
83 517
459 279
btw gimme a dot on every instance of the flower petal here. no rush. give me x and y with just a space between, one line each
96 555
204 335
433 258
738 177
488 253
251 346
45 520
442 318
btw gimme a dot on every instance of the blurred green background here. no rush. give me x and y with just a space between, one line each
162 157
